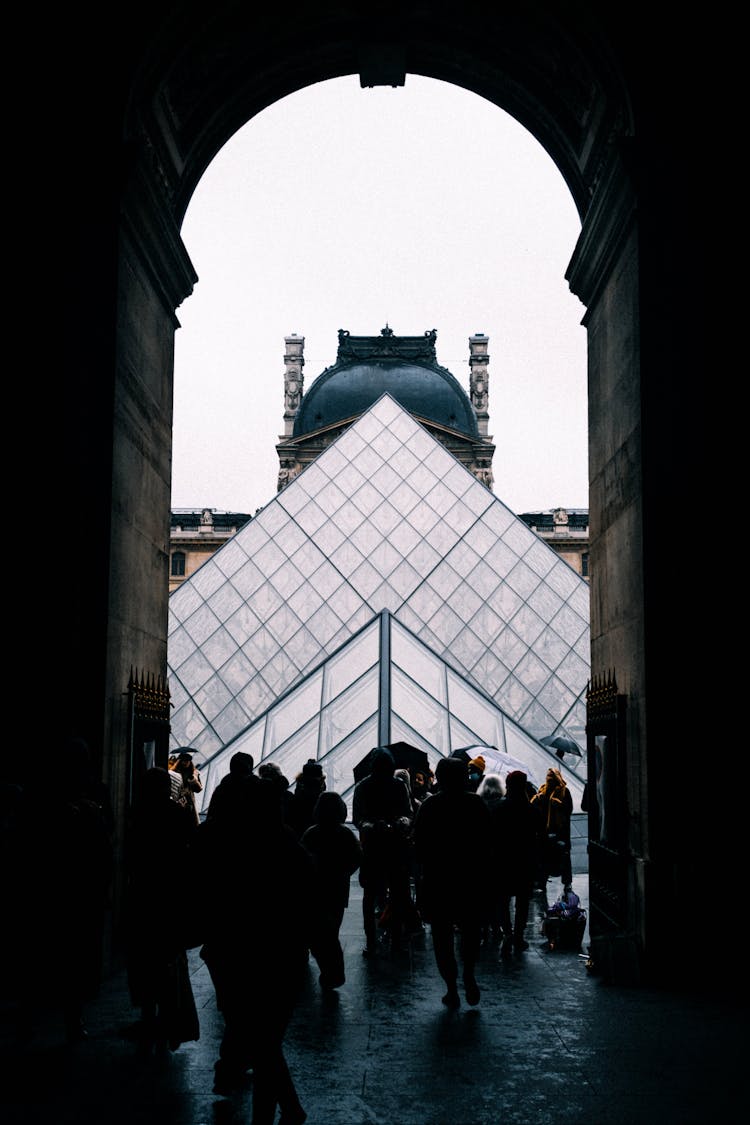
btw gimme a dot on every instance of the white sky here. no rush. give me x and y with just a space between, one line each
421 207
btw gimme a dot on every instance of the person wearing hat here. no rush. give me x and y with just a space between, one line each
476 772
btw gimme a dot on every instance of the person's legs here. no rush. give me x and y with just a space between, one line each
470 943
400 899
327 951
374 884
566 872
236 1049
273 1086
235 1004
519 923
506 925
445 959
505 918
272 1082
368 918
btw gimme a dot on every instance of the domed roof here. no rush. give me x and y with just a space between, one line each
368 367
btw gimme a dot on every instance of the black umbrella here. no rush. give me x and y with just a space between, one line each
405 756
196 755
563 745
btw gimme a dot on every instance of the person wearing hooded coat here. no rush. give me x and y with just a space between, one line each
553 805
382 813
452 840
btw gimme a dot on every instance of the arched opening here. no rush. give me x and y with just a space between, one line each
590 86
424 206
433 203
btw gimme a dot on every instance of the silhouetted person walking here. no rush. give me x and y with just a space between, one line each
381 810
258 882
336 854
452 840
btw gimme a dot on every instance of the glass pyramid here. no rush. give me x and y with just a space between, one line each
383 685
384 519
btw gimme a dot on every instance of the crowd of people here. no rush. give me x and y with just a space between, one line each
260 882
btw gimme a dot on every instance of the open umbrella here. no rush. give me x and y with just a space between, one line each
562 745
495 761
405 756
198 756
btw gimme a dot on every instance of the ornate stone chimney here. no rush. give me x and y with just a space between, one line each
479 379
293 379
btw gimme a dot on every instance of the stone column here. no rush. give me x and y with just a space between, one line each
293 379
479 379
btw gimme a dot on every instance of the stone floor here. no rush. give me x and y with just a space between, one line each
549 1044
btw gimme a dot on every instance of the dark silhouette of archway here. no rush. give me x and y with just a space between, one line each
125 124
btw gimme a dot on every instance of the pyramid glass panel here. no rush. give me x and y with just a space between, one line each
384 519
347 710
339 764
284 721
418 709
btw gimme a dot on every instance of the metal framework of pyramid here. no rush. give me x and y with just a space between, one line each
384 519
382 686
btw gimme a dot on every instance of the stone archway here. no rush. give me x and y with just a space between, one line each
140 129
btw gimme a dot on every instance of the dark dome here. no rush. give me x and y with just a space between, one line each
350 387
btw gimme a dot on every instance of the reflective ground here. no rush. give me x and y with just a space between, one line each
549 1044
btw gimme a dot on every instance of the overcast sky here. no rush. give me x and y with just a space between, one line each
419 207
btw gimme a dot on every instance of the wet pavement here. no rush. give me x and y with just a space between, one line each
549 1044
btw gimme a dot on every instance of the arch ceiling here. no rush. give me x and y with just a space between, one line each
547 65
